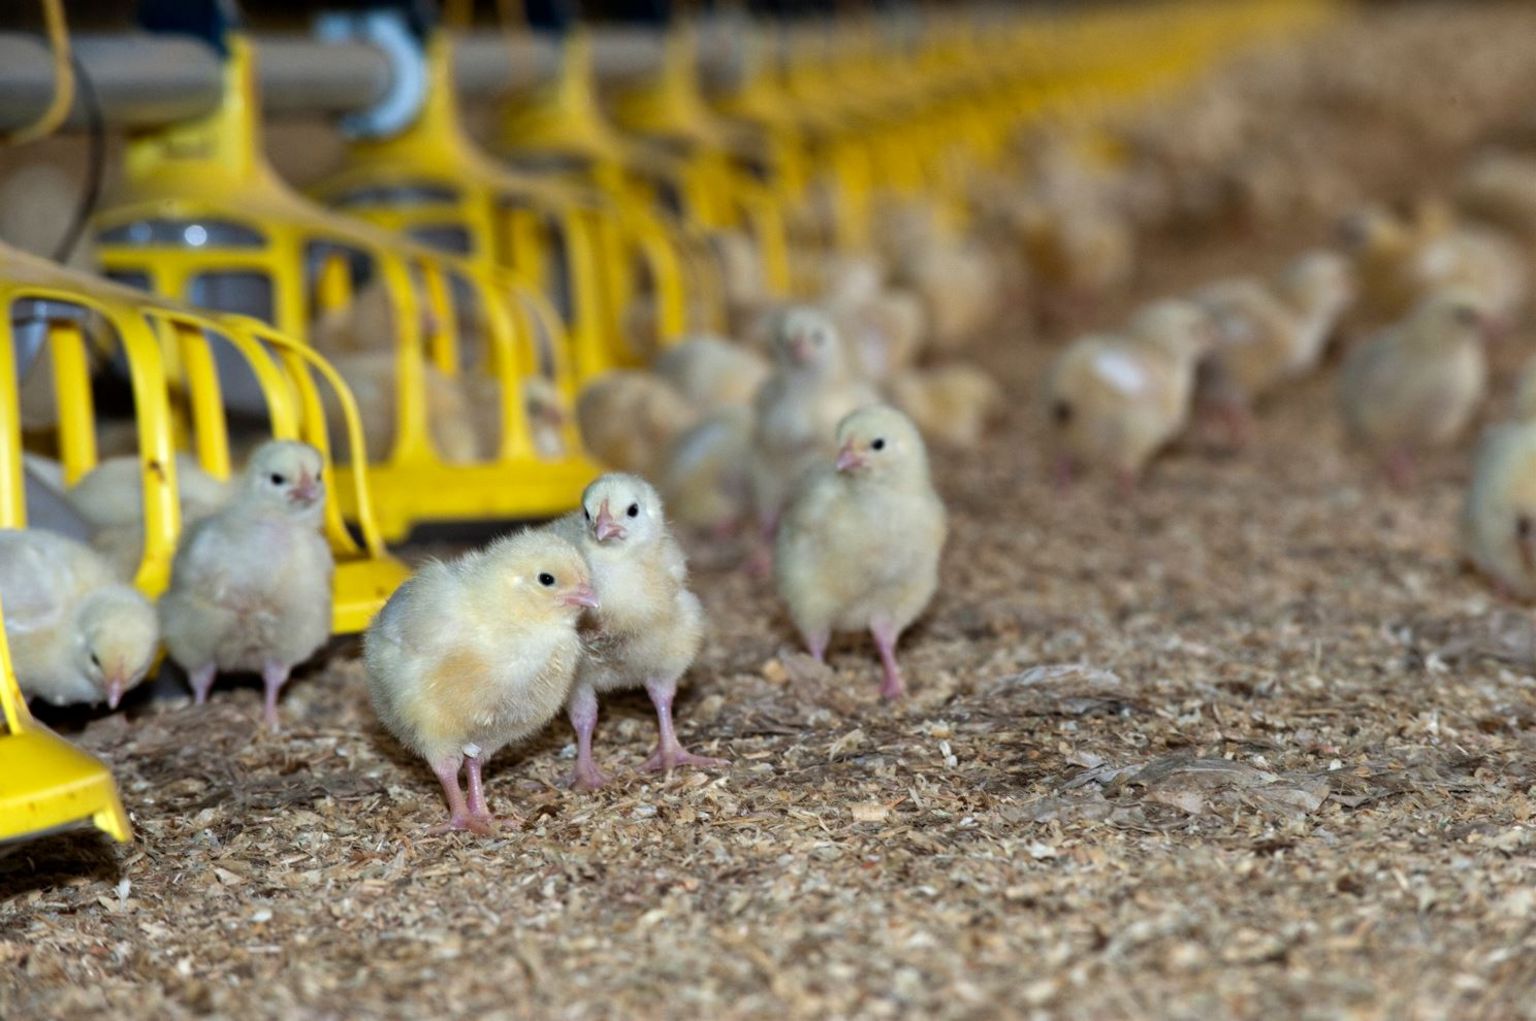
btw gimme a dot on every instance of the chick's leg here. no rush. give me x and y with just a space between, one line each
201 680
459 817
480 818
885 636
669 750
582 709
816 643
273 676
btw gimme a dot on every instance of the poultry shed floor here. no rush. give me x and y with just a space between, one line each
1250 742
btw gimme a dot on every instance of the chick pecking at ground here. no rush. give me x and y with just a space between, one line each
110 497
77 635
1266 336
705 477
713 373
1418 383
1498 522
251 584
476 653
860 541
647 627
629 417
1115 401
797 410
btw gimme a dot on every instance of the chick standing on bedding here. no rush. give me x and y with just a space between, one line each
473 654
860 541
1498 523
798 409
251 584
76 634
647 627
1115 401
1417 384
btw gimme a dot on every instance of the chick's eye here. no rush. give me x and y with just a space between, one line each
879 444
546 579
634 510
277 479
1523 527
586 514
95 661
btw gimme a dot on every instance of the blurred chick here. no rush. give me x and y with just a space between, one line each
1114 401
76 634
1417 384
1078 251
706 476
1264 336
475 653
543 406
372 378
251 584
111 498
647 626
952 403
959 285
712 373
628 418
798 409
1498 523
860 541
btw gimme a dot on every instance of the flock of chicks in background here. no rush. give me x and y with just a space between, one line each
801 442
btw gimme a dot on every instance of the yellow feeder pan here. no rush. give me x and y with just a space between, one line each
204 211
46 783
167 347
431 183
561 126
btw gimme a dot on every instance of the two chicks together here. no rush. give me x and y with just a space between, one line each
1115 400
477 653
250 590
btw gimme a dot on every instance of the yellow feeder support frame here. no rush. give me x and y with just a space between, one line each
205 210
161 342
45 782
431 183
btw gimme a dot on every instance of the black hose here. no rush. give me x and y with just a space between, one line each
96 161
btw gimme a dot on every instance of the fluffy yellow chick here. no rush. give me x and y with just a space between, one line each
951 402
76 634
1115 401
1079 251
860 541
110 497
798 409
1498 523
1418 383
473 654
628 418
705 478
713 373
1267 336
959 286
251 584
647 627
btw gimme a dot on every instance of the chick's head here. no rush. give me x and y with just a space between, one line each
1321 281
1181 329
879 442
286 475
544 576
622 510
115 640
1448 318
806 340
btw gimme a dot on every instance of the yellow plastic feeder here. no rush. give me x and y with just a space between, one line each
207 220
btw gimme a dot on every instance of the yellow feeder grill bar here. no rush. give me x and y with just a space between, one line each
161 342
208 220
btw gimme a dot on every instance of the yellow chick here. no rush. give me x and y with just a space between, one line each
798 409
712 373
952 403
1078 251
860 541
76 634
647 627
473 654
251 584
110 497
959 286
1418 383
1116 401
628 418
1498 523
705 477
1267 336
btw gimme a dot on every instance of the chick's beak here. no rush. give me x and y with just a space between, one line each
306 491
581 595
800 348
848 458
116 687
605 527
